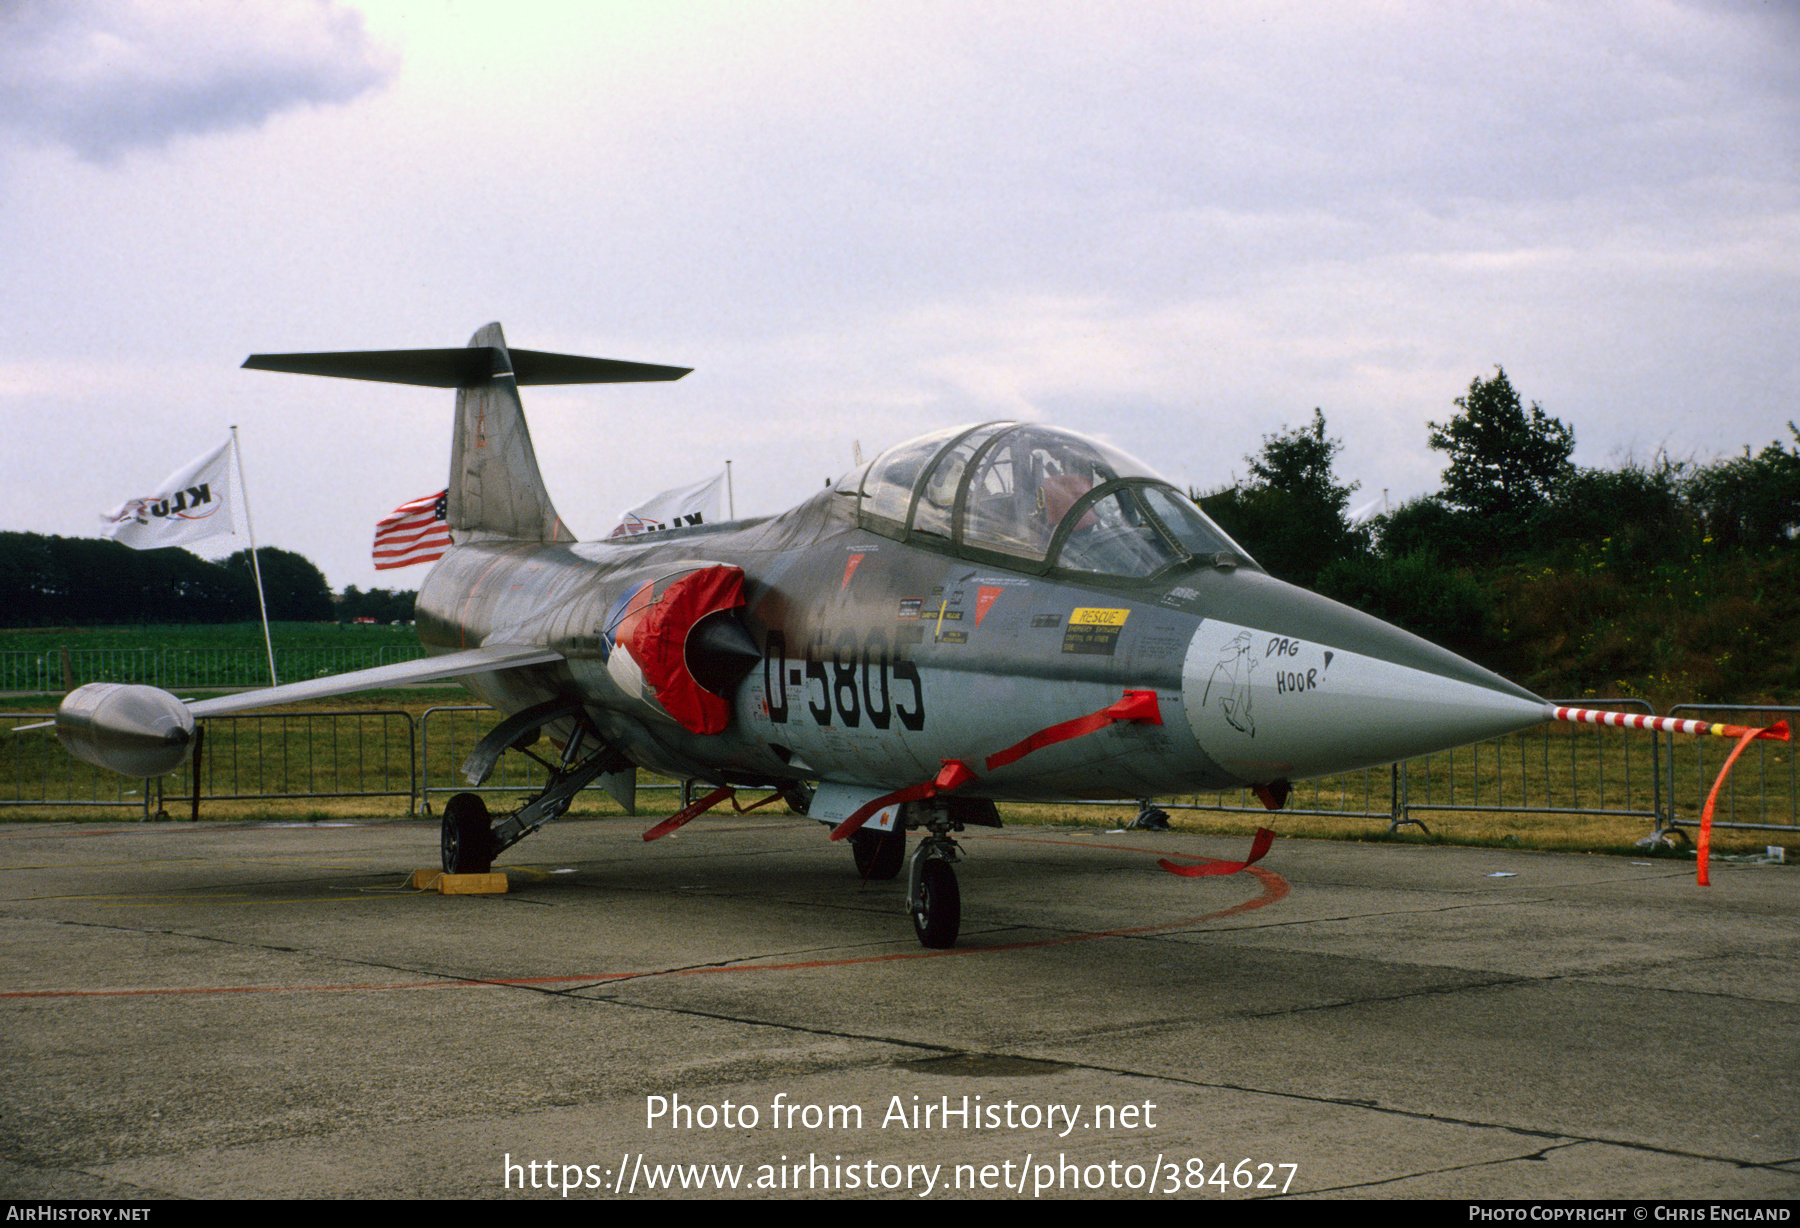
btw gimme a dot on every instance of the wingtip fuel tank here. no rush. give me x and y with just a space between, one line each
133 730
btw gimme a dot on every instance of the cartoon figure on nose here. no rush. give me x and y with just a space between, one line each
1232 676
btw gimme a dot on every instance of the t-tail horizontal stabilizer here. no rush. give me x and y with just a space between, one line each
495 488
466 367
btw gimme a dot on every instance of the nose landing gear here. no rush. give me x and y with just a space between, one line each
933 898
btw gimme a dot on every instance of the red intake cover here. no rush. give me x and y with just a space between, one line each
657 641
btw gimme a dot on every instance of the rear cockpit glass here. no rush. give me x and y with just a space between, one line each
1018 491
1022 484
1002 509
936 509
888 488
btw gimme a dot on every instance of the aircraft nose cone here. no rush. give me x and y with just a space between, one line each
1293 685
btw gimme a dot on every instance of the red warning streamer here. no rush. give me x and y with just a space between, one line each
954 775
1701 874
1745 734
1258 846
1138 706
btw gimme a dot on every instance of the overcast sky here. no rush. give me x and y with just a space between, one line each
1176 226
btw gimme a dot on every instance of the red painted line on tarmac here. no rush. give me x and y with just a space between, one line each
1274 888
195 989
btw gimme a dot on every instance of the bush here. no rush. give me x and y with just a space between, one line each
1418 592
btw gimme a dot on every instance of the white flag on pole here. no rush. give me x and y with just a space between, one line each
189 505
701 503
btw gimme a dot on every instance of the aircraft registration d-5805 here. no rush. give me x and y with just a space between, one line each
999 612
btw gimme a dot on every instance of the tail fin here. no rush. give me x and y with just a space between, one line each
495 487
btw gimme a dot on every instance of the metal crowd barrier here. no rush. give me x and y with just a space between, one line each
297 755
448 733
1553 769
1532 762
36 771
62 669
1550 769
1763 790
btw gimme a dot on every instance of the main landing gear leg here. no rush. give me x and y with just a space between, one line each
932 897
469 843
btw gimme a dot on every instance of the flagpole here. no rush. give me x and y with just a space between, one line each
255 567
730 497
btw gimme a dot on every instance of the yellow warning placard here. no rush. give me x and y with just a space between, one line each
1093 632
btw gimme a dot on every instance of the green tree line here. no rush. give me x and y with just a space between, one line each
79 581
1675 580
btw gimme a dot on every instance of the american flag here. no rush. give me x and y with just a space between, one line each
414 533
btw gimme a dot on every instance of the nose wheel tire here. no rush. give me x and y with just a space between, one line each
937 913
878 854
466 835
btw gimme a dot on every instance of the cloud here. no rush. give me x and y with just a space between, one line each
107 76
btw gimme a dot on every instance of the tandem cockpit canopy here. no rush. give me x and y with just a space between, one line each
1035 498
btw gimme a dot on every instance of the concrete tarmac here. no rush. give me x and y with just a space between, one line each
235 1010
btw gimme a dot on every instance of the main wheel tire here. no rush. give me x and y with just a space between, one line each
467 835
938 915
879 854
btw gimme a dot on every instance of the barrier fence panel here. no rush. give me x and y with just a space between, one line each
36 771
1556 768
27 670
273 755
136 665
58 669
447 735
1553 768
1761 792
299 664
213 667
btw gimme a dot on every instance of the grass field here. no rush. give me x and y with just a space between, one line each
206 635
54 659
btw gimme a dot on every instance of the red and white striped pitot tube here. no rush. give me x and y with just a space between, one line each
1778 732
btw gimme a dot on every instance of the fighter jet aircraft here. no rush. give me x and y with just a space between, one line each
997 612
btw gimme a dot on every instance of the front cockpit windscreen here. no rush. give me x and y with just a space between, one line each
1042 497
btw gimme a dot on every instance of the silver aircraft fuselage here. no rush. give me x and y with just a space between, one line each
880 659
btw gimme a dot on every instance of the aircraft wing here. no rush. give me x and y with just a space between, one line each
451 665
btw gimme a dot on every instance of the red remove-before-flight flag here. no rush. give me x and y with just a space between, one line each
414 533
